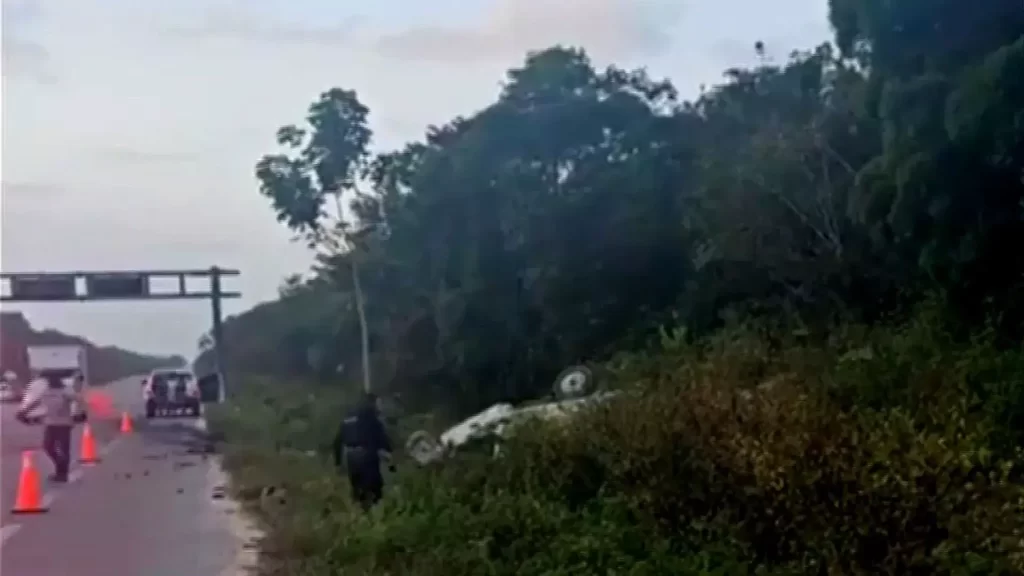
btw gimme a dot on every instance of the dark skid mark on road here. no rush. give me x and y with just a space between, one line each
181 443
178 435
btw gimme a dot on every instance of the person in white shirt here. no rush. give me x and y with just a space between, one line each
62 406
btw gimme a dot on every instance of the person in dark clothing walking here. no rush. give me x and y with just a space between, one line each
358 445
60 403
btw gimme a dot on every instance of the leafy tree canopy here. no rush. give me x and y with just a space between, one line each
584 208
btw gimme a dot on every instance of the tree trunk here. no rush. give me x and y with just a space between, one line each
364 335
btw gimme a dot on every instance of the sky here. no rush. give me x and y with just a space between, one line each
131 127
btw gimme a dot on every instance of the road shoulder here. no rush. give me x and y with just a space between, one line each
243 527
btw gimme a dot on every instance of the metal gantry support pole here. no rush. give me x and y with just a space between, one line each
218 330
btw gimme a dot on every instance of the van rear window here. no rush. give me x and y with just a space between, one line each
172 377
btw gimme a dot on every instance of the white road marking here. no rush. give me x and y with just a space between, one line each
48 499
109 446
6 532
75 476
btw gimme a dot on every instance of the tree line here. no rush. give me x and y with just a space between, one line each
586 208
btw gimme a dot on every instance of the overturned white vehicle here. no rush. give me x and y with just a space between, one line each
574 388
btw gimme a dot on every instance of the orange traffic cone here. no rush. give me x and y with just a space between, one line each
88 446
126 423
30 493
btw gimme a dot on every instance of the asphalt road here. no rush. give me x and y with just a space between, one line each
150 507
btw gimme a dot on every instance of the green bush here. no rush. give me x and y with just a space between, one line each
876 451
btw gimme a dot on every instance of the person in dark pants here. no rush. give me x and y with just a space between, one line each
358 445
60 403
57 445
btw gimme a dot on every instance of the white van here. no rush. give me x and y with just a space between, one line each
171 392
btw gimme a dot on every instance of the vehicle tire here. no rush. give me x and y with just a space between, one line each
574 382
194 408
423 447
150 409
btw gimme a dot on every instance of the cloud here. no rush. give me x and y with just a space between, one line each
623 28
23 57
234 22
130 155
505 31
29 191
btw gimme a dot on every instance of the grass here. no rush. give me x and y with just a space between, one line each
890 450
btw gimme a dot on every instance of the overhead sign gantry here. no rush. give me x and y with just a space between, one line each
92 286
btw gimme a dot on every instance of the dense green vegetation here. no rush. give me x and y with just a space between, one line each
812 272
692 477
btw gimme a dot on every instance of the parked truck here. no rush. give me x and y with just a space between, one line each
62 360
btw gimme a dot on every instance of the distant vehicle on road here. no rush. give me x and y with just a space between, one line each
171 392
9 392
11 387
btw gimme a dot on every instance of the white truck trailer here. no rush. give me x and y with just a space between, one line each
64 360
61 360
